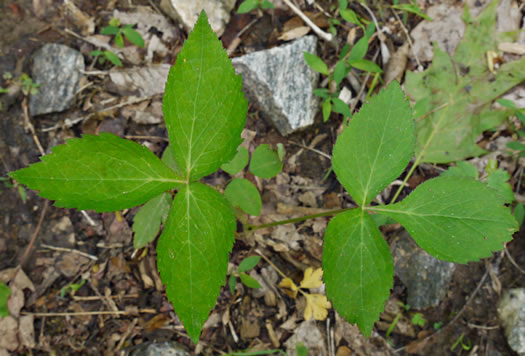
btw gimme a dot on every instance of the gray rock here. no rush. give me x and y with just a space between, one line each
426 278
187 12
57 68
282 84
167 348
511 311
309 334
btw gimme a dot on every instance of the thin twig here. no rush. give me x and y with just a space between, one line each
326 155
97 298
23 260
117 312
64 249
507 253
152 138
408 39
325 36
30 126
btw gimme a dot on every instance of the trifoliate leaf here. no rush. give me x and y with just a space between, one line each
146 224
238 162
5 292
248 263
358 268
462 169
499 181
366 163
249 281
312 279
104 173
265 162
316 307
454 218
204 106
193 253
243 194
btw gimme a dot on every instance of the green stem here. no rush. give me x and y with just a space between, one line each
420 155
295 220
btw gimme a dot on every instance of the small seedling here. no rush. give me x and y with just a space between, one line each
250 5
247 264
127 31
454 218
119 32
348 58
417 319
71 288
459 342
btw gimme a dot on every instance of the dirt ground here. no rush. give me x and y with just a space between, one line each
90 292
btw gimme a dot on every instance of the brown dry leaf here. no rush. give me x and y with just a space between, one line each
397 64
514 48
26 331
312 278
9 330
291 288
297 32
16 301
317 306
158 321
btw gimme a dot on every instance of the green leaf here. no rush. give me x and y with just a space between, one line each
232 283
204 106
133 36
247 6
248 263
509 104
341 108
499 181
249 281
418 319
265 162
519 213
316 63
238 162
147 221
193 253
359 50
459 91
322 92
243 194
96 53
462 169
358 268
300 349
515 145
113 58
327 109
5 292
365 65
413 8
104 173
169 160
110 30
343 4
266 5
454 218
376 146
119 40
350 16
340 72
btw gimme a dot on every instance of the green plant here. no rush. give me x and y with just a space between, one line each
5 292
71 288
247 264
417 319
348 58
119 32
459 342
454 218
250 5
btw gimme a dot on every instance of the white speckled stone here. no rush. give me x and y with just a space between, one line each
58 69
511 311
280 82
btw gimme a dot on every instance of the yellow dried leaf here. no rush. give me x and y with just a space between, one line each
312 279
288 283
316 307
